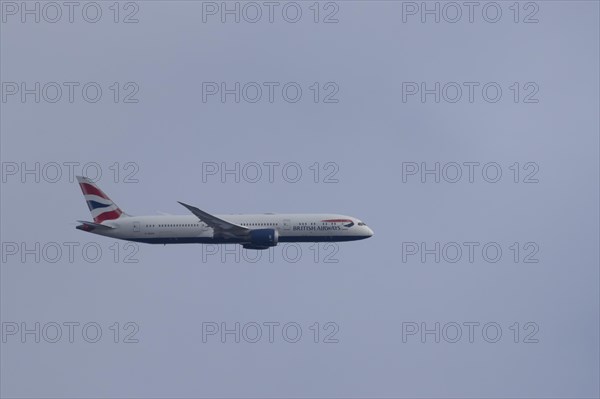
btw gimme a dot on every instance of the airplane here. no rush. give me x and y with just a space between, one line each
257 231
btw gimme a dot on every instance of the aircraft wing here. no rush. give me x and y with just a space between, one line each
221 227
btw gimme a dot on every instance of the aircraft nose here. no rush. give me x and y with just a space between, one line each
369 232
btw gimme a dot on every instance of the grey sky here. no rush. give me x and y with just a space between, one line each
371 294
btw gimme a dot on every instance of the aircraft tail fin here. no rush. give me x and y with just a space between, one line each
101 206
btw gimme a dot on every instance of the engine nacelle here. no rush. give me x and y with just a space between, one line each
262 239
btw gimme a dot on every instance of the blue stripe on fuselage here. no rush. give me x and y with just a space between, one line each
210 240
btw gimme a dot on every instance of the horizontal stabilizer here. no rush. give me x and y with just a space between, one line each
89 226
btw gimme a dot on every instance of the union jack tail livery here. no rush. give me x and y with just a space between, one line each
101 207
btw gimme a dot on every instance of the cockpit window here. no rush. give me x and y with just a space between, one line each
362 224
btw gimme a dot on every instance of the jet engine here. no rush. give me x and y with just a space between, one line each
262 239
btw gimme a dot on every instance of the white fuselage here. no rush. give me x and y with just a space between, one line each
171 229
